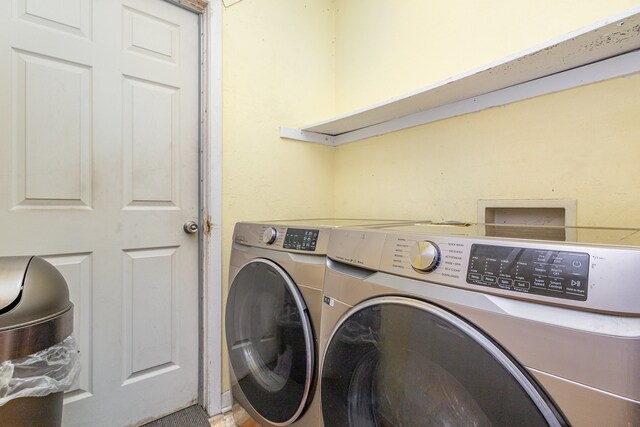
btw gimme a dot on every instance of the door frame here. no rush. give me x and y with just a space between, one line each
210 245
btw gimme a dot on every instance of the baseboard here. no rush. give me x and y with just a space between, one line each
226 401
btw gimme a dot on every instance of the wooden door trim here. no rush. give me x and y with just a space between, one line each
198 6
210 283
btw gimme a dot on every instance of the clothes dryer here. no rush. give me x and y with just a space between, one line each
272 317
427 324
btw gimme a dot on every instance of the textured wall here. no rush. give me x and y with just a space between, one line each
581 144
385 48
277 69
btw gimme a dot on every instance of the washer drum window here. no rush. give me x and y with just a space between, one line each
396 361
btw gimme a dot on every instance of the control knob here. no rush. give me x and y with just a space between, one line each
269 235
424 256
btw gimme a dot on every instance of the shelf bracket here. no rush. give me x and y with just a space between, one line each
308 136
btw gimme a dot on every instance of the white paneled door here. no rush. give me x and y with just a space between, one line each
99 129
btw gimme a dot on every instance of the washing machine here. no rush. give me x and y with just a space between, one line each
272 317
471 325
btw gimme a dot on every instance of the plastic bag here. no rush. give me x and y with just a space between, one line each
51 370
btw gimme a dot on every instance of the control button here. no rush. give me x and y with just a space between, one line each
505 282
577 282
543 256
475 276
522 285
540 282
578 264
555 272
269 235
424 256
490 279
577 286
555 285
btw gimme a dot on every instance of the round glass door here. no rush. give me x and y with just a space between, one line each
396 361
270 341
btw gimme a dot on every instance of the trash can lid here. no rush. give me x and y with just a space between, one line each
31 290
12 271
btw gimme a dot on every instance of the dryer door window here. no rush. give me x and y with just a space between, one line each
396 361
270 341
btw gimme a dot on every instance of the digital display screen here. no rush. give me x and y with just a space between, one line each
301 239
559 274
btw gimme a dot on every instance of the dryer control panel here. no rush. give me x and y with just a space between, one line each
279 237
553 273
301 239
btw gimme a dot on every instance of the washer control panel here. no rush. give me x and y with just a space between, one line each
598 277
552 273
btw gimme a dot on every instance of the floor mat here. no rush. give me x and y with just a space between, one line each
193 416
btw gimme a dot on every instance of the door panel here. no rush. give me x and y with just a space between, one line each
71 16
98 173
77 271
150 279
51 151
151 140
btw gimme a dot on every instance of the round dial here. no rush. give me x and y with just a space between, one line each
424 255
269 235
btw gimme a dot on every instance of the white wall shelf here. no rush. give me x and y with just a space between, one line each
602 51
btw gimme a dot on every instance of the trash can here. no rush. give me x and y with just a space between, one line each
38 356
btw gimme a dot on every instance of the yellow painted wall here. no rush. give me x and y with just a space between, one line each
385 48
277 69
581 144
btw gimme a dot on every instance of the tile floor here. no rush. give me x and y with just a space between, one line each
237 417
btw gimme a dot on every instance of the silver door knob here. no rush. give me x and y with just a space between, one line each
190 227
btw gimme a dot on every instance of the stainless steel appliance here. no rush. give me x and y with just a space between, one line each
35 314
426 324
273 317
